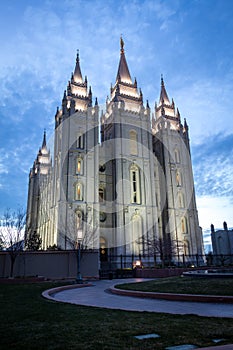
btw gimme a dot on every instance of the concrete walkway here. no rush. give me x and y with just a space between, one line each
98 295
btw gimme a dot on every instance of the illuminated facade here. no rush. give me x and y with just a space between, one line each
120 179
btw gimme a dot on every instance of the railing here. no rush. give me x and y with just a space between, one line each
121 262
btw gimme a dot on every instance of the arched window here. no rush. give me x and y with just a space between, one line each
79 166
79 219
78 192
178 179
180 200
177 156
133 142
103 216
101 194
136 234
183 225
186 247
135 185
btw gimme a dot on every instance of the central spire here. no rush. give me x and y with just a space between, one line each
77 72
122 44
163 94
44 140
123 74
124 89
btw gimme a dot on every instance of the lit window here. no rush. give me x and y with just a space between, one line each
178 179
79 166
78 192
133 142
183 225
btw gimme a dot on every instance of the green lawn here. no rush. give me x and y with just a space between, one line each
185 285
27 321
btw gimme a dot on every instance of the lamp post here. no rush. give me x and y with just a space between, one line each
79 279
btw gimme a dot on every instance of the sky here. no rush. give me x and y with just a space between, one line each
188 41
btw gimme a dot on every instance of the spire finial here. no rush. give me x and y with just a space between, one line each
77 57
122 44
162 82
44 139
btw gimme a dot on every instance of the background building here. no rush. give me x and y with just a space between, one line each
121 179
222 243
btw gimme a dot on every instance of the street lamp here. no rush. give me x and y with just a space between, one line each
79 279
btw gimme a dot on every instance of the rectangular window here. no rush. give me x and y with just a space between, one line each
80 141
135 186
134 182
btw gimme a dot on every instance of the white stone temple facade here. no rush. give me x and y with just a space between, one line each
120 179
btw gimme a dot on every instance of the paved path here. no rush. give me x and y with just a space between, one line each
98 296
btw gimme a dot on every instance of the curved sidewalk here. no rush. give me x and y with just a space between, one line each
98 295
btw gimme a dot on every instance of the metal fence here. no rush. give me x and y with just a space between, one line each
124 264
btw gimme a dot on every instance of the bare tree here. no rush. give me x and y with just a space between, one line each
78 230
165 248
1 243
12 233
79 235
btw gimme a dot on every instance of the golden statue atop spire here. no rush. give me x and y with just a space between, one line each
122 44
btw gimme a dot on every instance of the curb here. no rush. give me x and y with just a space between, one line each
174 297
48 294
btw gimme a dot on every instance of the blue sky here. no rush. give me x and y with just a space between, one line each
188 41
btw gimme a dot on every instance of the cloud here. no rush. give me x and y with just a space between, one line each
3 167
205 103
214 210
213 166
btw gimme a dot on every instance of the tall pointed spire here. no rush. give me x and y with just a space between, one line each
44 139
123 70
164 107
77 96
77 72
124 89
163 94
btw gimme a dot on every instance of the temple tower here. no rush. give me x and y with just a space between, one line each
178 219
76 165
129 205
38 204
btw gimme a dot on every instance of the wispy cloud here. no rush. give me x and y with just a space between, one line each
213 166
3 167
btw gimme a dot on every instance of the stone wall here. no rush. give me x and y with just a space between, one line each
166 272
51 264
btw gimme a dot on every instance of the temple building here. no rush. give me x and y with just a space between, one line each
120 178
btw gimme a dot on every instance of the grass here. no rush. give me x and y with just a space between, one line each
27 321
185 285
